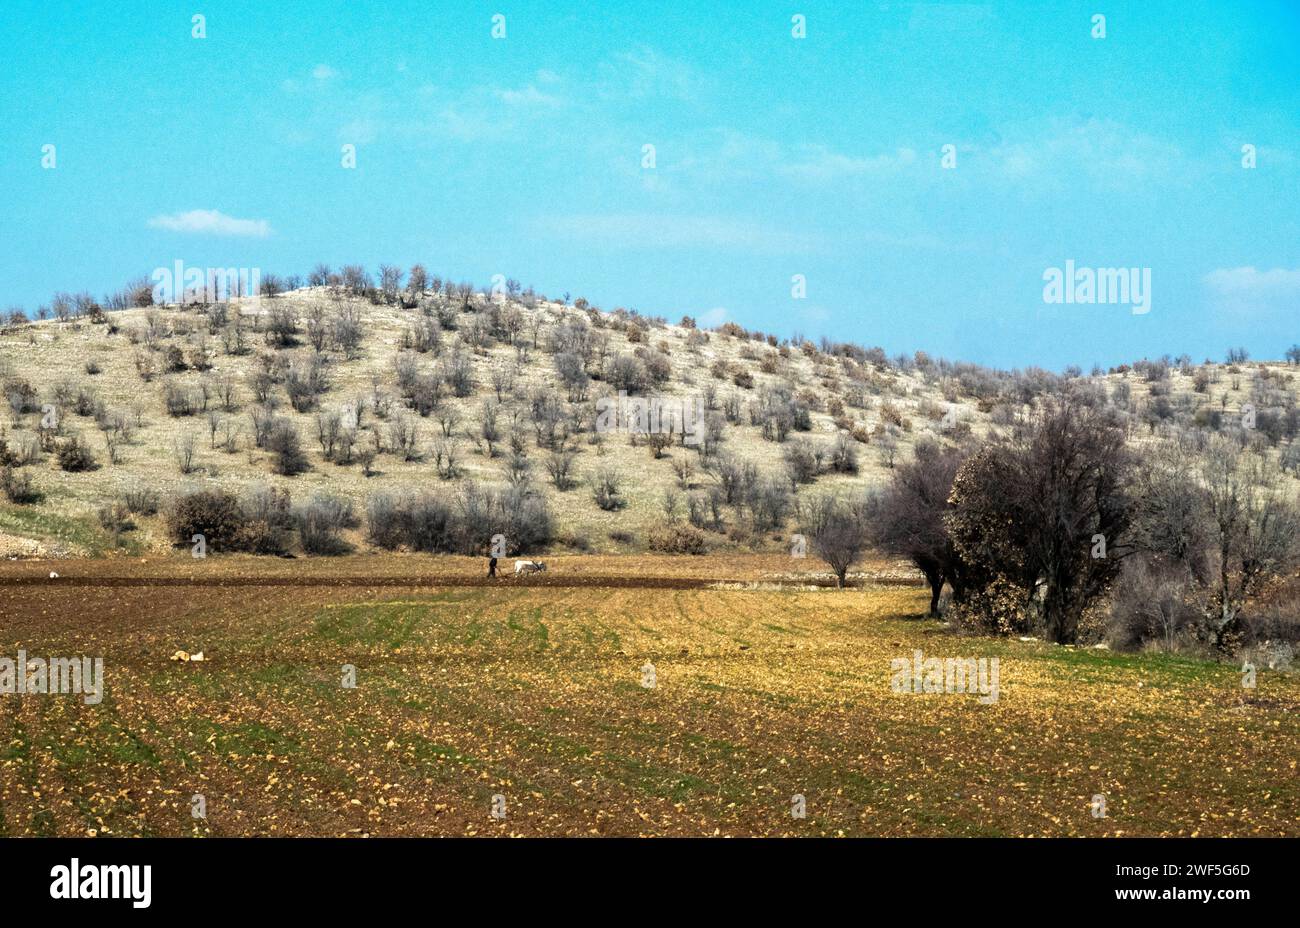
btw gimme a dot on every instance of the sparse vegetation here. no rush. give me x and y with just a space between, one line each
401 378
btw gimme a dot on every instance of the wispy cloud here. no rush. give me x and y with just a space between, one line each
1249 288
726 156
644 72
320 74
1108 153
712 317
211 222
658 231
818 163
528 96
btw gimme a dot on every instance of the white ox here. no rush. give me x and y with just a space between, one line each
529 567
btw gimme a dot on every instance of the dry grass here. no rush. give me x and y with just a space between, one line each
46 354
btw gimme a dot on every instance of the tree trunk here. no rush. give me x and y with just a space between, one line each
935 579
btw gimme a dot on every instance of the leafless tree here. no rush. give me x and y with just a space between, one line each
1255 529
560 466
1049 513
907 517
836 530
184 451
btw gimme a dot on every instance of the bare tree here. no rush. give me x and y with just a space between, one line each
560 466
390 281
836 530
907 518
417 282
1255 530
1047 514
184 450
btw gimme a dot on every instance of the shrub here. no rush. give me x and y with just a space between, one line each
627 373
140 500
211 513
179 400
605 490
268 522
321 520
75 457
17 486
800 463
518 513
1026 514
115 519
560 466
1151 604
432 523
844 455
769 504
174 359
907 517
676 538
284 443
419 522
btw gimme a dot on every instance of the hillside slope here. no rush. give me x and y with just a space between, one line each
387 396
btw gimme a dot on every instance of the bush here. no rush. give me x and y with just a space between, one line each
1027 513
605 490
430 522
75 457
676 538
907 517
517 512
268 523
800 463
836 531
17 486
211 513
844 455
115 519
418 522
284 443
179 400
321 520
1151 604
140 500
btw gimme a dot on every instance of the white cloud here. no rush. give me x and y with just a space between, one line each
323 72
1247 286
711 318
644 72
725 157
817 163
211 222
651 230
528 96
1108 153
359 131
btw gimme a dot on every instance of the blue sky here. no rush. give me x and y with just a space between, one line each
774 156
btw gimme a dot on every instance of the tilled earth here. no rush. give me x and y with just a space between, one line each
534 692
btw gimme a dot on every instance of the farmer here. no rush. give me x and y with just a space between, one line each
492 567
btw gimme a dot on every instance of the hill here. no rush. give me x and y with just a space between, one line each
445 388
